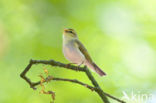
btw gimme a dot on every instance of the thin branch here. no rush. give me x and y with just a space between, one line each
75 81
50 78
96 87
99 91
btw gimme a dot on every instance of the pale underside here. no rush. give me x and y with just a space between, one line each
72 53
76 53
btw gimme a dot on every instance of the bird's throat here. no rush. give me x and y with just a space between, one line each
68 39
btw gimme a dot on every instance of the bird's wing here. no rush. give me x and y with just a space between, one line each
83 51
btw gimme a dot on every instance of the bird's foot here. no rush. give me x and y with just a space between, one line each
77 69
67 65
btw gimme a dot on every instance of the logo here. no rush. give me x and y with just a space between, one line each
138 97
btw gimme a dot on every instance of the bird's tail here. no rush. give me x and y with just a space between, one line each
95 68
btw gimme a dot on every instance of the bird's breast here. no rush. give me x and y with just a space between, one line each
72 53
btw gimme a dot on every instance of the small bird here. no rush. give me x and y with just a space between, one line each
76 53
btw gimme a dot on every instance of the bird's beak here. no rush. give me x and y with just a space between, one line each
65 30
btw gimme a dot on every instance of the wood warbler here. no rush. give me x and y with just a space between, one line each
76 53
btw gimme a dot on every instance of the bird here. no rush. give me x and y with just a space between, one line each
75 52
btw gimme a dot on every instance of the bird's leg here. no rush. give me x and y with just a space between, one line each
67 65
79 65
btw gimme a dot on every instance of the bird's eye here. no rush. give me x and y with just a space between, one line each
70 31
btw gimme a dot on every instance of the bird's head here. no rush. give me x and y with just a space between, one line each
69 33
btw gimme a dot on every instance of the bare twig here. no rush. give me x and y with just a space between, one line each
49 78
96 87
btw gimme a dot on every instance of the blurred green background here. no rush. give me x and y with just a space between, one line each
119 35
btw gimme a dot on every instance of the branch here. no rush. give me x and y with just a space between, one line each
50 78
96 87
